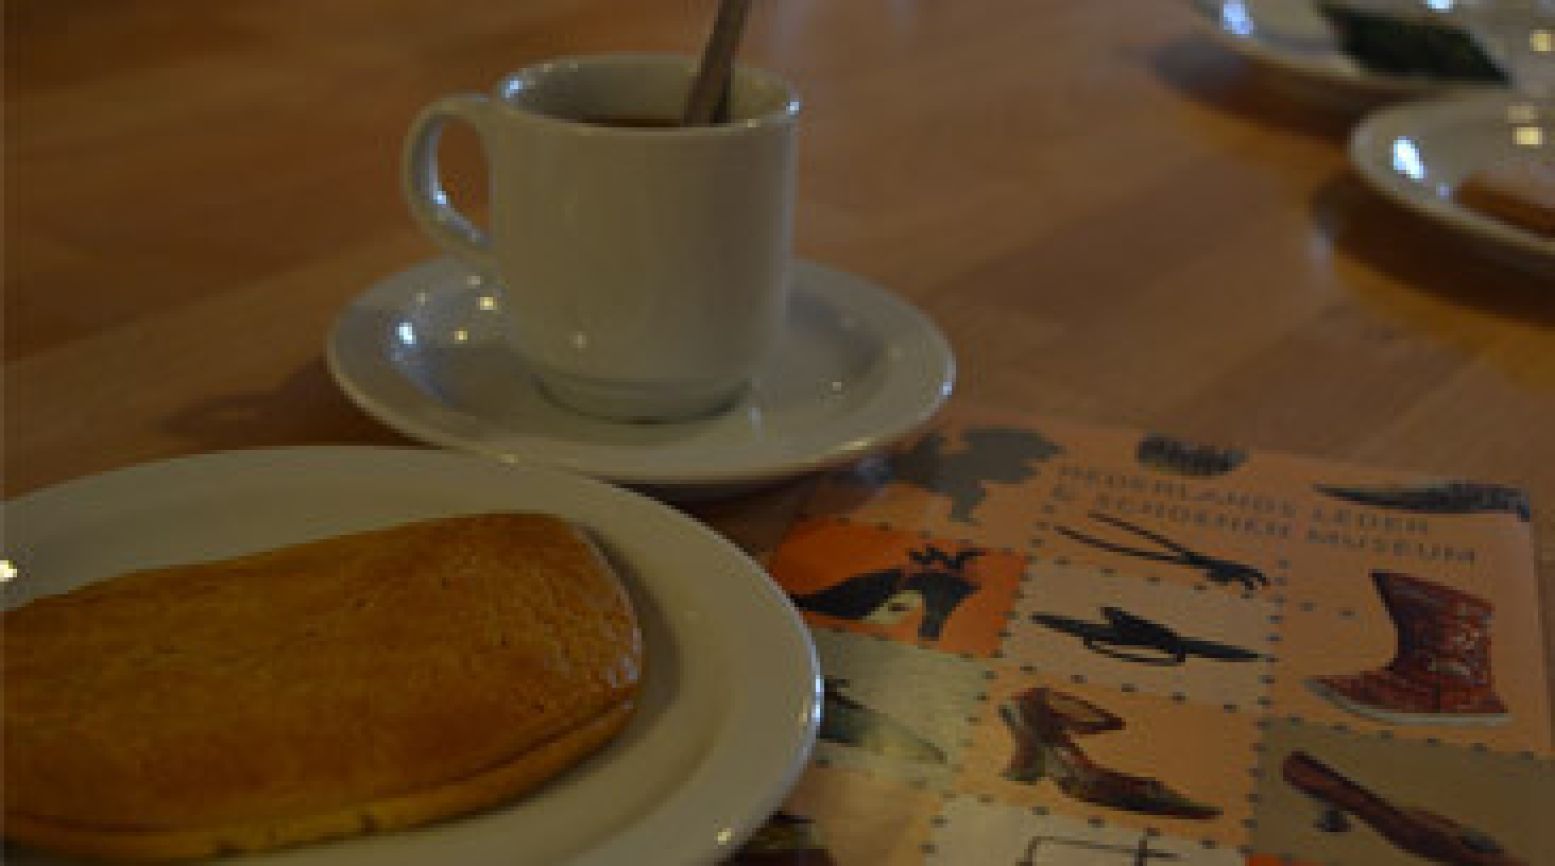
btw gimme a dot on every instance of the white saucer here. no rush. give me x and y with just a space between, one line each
858 368
1292 38
1419 152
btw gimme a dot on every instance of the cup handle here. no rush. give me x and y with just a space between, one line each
423 184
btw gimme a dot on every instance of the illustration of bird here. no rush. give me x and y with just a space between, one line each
933 580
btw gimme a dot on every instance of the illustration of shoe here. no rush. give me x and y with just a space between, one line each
1417 831
1440 673
1043 722
847 721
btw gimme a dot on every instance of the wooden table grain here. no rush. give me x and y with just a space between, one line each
1112 218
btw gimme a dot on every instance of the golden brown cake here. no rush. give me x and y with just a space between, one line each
365 682
1518 191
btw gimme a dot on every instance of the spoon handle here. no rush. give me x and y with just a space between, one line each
710 90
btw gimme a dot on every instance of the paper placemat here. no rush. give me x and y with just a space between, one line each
1052 643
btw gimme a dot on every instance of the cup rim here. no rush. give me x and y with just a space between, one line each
785 115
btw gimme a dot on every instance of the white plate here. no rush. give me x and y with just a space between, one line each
1292 38
729 699
858 368
1418 153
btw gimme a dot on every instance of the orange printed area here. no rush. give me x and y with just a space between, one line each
948 595
862 818
1205 756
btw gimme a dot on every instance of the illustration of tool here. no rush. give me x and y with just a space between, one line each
1221 571
1417 831
1139 855
1123 631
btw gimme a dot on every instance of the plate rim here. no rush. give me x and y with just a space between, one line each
200 473
920 397
1367 136
1378 84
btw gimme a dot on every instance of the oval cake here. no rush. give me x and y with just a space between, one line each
359 683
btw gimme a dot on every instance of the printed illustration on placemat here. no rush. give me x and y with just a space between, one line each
1051 643
853 723
1043 723
1133 638
1193 459
931 581
1438 497
1417 831
1158 637
785 840
900 585
973 830
1130 759
894 709
977 477
1342 798
1440 673
1153 546
961 473
1423 660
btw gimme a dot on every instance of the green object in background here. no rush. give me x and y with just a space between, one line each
1422 49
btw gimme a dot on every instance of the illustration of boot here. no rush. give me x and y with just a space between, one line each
1042 722
1425 834
1440 674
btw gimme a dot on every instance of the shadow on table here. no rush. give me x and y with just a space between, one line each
1419 253
304 409
1215 77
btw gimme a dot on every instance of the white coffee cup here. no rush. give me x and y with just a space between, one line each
645 269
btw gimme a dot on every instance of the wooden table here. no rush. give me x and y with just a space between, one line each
1112 219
